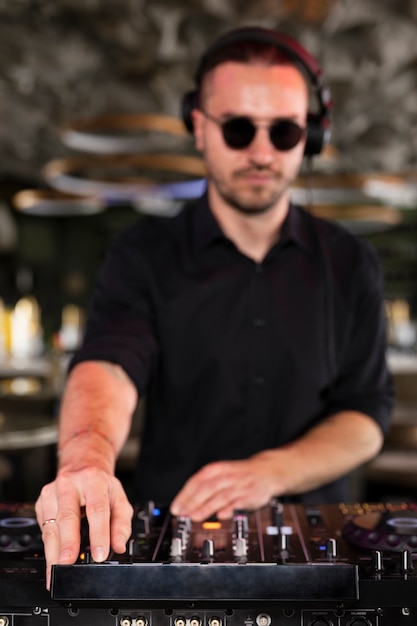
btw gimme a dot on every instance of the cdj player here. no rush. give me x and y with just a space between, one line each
283 565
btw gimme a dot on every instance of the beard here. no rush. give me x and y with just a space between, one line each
251 199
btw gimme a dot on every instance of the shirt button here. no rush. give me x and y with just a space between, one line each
258 322
259 381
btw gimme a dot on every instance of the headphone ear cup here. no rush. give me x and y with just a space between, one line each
316 135
190 101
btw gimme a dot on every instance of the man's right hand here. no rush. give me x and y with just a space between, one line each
58 511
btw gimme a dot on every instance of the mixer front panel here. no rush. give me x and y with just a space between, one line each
237 617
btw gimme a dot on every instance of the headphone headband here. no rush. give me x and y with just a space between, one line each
318 124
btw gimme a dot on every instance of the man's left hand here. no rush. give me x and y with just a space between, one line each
223 486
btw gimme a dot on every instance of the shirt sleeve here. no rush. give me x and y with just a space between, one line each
363 382
120 326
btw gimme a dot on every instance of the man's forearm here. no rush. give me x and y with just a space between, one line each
95 416
332 449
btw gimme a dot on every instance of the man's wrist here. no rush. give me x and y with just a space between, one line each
87 447
85 432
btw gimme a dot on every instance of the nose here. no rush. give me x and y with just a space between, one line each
261 150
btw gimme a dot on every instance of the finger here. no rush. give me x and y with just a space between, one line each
68 519
247 494
121 518
200 488
51 541
110 518
46 510
222 500
97 508
234 502
223 504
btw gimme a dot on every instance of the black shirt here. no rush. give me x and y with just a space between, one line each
236 356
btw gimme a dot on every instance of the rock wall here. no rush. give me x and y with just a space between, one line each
67 59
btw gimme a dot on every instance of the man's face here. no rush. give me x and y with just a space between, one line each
253 179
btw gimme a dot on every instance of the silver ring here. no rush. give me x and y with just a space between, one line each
52 520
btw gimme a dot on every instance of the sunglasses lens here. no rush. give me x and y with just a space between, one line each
285 134
238 132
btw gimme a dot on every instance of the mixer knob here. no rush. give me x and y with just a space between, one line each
25 540
5 541
176 548
241 523
131 548
241 547
393 540
142 526
208 550
284 538
331 549
238 529
283 541
406 562
184 522
377 561
182 536
144 518
183 529
277 512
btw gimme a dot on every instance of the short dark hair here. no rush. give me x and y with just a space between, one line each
244 52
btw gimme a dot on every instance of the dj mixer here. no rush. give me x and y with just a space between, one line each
283 565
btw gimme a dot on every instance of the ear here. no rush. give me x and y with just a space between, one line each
198 129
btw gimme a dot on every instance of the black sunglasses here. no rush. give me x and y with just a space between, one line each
239 132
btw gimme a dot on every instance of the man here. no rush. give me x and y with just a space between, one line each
255 330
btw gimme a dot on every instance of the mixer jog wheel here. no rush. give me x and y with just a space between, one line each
383 531
19 534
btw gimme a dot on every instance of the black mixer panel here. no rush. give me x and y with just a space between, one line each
284 565
232 562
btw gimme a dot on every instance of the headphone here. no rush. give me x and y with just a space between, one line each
318 124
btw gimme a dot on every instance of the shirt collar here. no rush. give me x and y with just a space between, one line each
204 225
297 229
206 229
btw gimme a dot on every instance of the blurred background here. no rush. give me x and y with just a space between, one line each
90 94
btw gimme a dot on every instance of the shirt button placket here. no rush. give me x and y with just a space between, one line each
259 322
258 379
256 415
